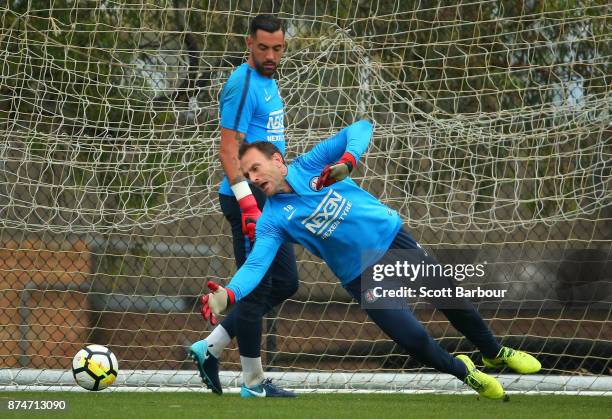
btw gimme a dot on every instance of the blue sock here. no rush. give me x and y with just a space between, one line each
472 326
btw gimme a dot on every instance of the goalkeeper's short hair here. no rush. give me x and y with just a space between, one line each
265 147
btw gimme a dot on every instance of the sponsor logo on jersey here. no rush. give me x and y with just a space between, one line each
328 215
276 122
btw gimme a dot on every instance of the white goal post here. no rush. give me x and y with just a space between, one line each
492 139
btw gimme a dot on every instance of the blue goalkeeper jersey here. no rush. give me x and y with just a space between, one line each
251 104
342 224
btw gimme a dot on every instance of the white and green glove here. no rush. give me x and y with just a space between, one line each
216 302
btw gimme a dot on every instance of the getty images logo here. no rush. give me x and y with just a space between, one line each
328 215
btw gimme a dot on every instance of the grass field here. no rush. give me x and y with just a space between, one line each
334 406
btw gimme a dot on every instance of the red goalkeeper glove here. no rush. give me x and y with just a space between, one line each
216 302
337 172
250 215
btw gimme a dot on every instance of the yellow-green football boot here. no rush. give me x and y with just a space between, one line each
518 361
484 384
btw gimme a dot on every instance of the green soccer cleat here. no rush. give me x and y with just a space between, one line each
518 361
484 384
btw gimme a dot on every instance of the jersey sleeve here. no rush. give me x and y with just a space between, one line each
268 240
237 103
353 139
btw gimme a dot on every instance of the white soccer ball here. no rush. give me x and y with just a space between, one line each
95 367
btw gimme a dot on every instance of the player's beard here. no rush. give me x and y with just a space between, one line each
261 68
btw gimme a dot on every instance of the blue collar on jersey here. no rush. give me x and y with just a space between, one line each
291 180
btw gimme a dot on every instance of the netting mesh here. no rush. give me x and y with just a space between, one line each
492 139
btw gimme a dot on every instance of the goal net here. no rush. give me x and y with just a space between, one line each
492 139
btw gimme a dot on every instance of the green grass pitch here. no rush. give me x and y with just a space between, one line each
335 406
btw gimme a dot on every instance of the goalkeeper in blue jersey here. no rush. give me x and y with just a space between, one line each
313 202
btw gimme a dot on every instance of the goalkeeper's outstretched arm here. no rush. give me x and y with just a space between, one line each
244 281
257 264
352 140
